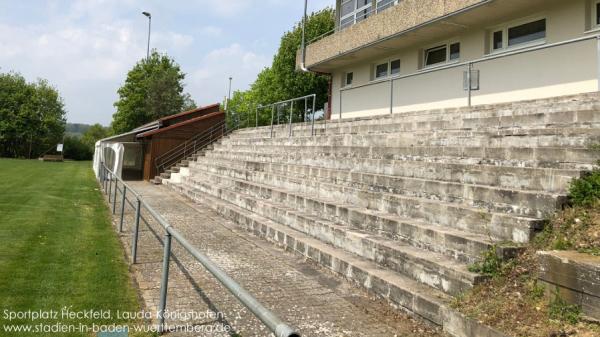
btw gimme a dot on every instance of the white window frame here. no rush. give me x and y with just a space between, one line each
388 73
388 6
345 83
505 27
355 12
595 23
440 45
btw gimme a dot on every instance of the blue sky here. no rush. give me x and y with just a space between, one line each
85 47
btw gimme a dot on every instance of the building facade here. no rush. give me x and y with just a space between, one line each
389 56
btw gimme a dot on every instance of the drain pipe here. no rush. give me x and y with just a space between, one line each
303 46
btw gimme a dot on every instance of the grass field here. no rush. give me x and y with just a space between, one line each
57 247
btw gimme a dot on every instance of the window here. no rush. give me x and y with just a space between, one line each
454 51
353 11
348 79
435 55
527 33
498 42
442 54
395 67
381 70
516 35
388 68
385 4
598 13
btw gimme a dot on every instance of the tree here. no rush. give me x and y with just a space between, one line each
74 148
282 80
93 134
153 89
32 116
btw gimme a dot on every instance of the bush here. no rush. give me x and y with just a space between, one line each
585 191
75 149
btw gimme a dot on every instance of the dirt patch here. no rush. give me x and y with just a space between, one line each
513 301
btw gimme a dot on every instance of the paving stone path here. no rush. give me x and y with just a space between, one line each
312 300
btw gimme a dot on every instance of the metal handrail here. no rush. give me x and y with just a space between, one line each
269 319
191 146
470 64
291 101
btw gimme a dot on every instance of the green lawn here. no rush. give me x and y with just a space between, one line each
57 247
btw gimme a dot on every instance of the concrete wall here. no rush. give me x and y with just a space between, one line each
563 70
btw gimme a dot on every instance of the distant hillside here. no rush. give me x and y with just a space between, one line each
76 129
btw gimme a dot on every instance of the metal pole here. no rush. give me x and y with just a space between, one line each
391 96
279 328
598 56
272 116
164 282
109 186
305 109
341 92
136 229
115 196
469 71
291 116
122 208
228 95
312 131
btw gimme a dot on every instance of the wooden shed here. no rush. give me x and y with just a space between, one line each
175 130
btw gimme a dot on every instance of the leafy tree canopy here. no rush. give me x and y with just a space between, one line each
32 116
282 81
153 89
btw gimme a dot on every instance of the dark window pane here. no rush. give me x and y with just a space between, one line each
361 15
381 70
395 67
435 55
528 32
455 51
498 40
347 7
598 13
362 3
349 78
384 4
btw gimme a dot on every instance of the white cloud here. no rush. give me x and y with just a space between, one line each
209 81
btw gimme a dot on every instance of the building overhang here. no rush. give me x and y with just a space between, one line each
410 24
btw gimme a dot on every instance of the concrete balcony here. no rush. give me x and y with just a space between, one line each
406 15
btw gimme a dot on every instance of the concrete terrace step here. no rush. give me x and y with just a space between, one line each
528 203
400 290
572 110
559 158
435 270
380 173
498 226
546 137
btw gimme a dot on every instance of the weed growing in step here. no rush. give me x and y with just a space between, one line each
491 264
560 310
585 191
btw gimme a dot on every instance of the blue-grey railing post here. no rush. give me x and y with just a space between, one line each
598 59
123 198
109 185
291 116
136 230
314 104
469 86
164 282
114 201
305 109
391 96
256 115
272 116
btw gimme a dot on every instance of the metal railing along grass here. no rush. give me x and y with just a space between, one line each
107 180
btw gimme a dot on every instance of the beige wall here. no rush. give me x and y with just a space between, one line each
562 70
